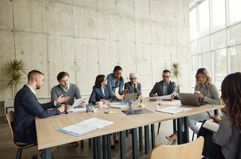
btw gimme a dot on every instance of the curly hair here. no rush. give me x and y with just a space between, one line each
205 72
231 96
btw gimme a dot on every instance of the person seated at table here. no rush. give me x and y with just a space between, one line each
100 92
65 88
27 108
165 86
116 82
133 86
226 142
207 93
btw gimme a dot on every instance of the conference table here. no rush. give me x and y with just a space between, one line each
48 135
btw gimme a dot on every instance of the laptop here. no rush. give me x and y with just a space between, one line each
131 96
189 99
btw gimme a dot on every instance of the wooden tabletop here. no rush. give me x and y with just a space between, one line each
47 129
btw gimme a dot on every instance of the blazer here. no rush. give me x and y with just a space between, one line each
27 108
227 137
97 95
158 89
112 86
131 88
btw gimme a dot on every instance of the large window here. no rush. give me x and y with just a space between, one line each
215 31
218 14
204 17
235 11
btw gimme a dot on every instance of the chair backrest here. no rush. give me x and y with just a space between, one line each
10 119
191 150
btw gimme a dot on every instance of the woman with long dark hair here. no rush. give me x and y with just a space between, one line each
223 144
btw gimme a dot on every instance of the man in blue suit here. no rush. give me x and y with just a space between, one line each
27 108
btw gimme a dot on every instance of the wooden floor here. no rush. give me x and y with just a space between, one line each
8 151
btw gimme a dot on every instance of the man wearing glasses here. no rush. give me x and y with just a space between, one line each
165 86
133 86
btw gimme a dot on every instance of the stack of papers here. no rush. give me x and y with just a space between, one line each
210 125
118 104
166 97
77 103
173 109
85 127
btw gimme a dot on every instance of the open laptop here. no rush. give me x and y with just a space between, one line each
130 96
189 99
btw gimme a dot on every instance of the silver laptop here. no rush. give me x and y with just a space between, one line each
130 96
189 99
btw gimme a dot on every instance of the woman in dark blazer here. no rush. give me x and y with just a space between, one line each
100 92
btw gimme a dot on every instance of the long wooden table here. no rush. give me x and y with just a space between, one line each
48 135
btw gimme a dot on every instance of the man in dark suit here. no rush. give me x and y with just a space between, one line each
164 87
27 108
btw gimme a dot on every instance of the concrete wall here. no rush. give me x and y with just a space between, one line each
88 37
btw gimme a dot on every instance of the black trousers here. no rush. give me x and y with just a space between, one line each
210 150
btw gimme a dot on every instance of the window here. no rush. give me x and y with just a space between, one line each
235 56
235 11
234 35
206 61
218 14
193 24
220 66
204 45
204 17
217 42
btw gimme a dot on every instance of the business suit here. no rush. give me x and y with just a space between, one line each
97 95
131 89
158 89
27 108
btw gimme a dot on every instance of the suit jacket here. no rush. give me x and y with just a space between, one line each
158 89
97 95
27 108
131 88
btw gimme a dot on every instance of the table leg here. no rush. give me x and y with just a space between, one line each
186 130
94 147
46 153
153 136
98 148
140 138
174 125
122 145
104 146
147 142
82 144
134 143
179 131
108 147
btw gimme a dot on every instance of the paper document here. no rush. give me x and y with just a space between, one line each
210 125
77 102
118 104
173 109
85 127
166 97
76 109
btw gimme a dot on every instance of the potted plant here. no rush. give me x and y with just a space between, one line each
176 72
15 71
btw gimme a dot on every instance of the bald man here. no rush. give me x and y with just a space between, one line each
27 108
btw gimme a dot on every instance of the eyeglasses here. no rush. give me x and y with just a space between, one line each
166 76
133 78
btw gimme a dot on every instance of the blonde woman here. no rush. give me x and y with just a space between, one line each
207 93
